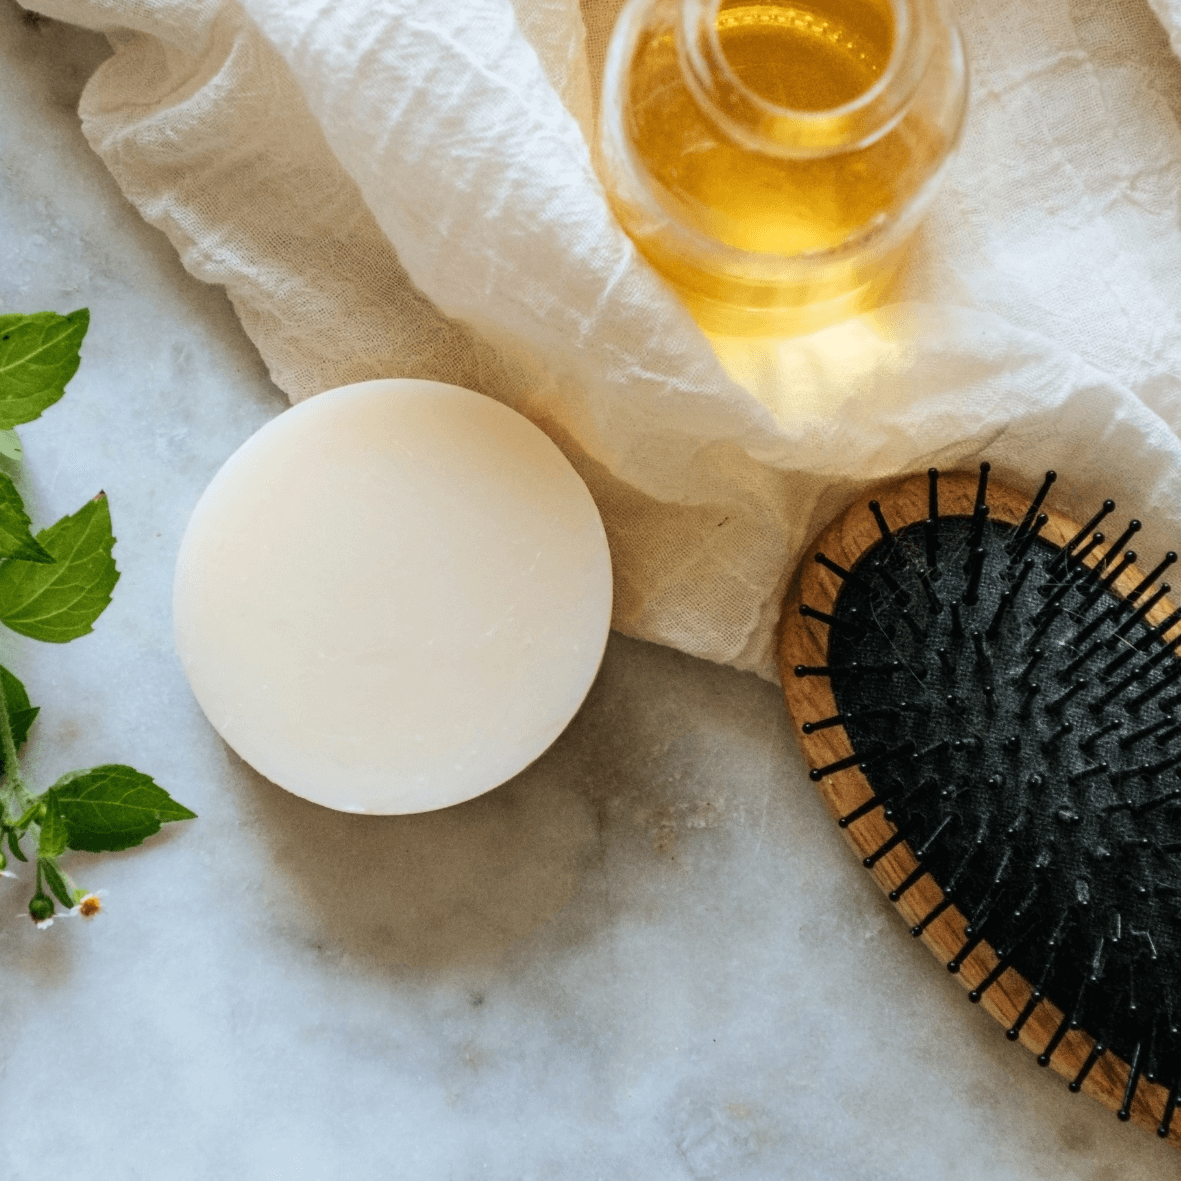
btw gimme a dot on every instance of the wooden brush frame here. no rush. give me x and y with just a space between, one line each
804 641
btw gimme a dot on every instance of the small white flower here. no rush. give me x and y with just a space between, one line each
88 905
7 873
45 923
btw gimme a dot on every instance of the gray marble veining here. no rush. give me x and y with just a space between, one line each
649 956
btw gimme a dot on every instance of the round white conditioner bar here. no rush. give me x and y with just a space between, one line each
393 597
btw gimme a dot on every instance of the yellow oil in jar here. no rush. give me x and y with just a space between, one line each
825 214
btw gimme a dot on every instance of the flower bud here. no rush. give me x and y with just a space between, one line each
40 908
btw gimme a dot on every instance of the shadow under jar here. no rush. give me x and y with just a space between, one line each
771 160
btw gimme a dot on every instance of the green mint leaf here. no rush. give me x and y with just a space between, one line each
61 602
56 881
113 807
38 355
15 539
54 836
15 845
20 712
10 445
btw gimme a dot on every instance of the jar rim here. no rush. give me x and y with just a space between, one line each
776 129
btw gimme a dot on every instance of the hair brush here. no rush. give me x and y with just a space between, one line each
988 696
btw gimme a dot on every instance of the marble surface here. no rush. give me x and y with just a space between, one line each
648 956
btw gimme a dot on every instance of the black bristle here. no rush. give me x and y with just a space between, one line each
1043 1059
831 620
922 850
1026 706
1170 1107
1078 561
1110 727
847 575
1101 703
1108 581
979 519
974 569
957 623
1004 603
1152 576
1096 621
1069 547
1161 656
930 917
1077 663
1087 773
1024 675
1031 512
1023 574
1117 545
932 526
813 670
1155 634
890 843
911 879
1064 729
966 948
818 773
899 595
1041 625
1014 1030
823 723
883 527
863 809
1097 1052
977 993
1059 703
1125 1111
1121 658
1143 732
1141 611
1028 540
982 486
1137 702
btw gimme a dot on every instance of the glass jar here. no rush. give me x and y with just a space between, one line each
770 159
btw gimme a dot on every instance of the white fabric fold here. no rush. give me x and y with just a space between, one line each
405 188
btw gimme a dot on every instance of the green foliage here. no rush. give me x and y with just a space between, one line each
54 834
20 712
112 807
60 601
52 588
10 445
38 355
56 880
15 539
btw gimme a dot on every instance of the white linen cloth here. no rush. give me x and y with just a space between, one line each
405 188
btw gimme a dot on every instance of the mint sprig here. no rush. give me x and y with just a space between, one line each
53 587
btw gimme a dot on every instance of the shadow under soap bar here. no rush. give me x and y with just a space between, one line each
393 597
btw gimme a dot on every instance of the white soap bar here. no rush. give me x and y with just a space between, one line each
393 597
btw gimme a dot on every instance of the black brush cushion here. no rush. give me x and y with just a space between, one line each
1041 792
